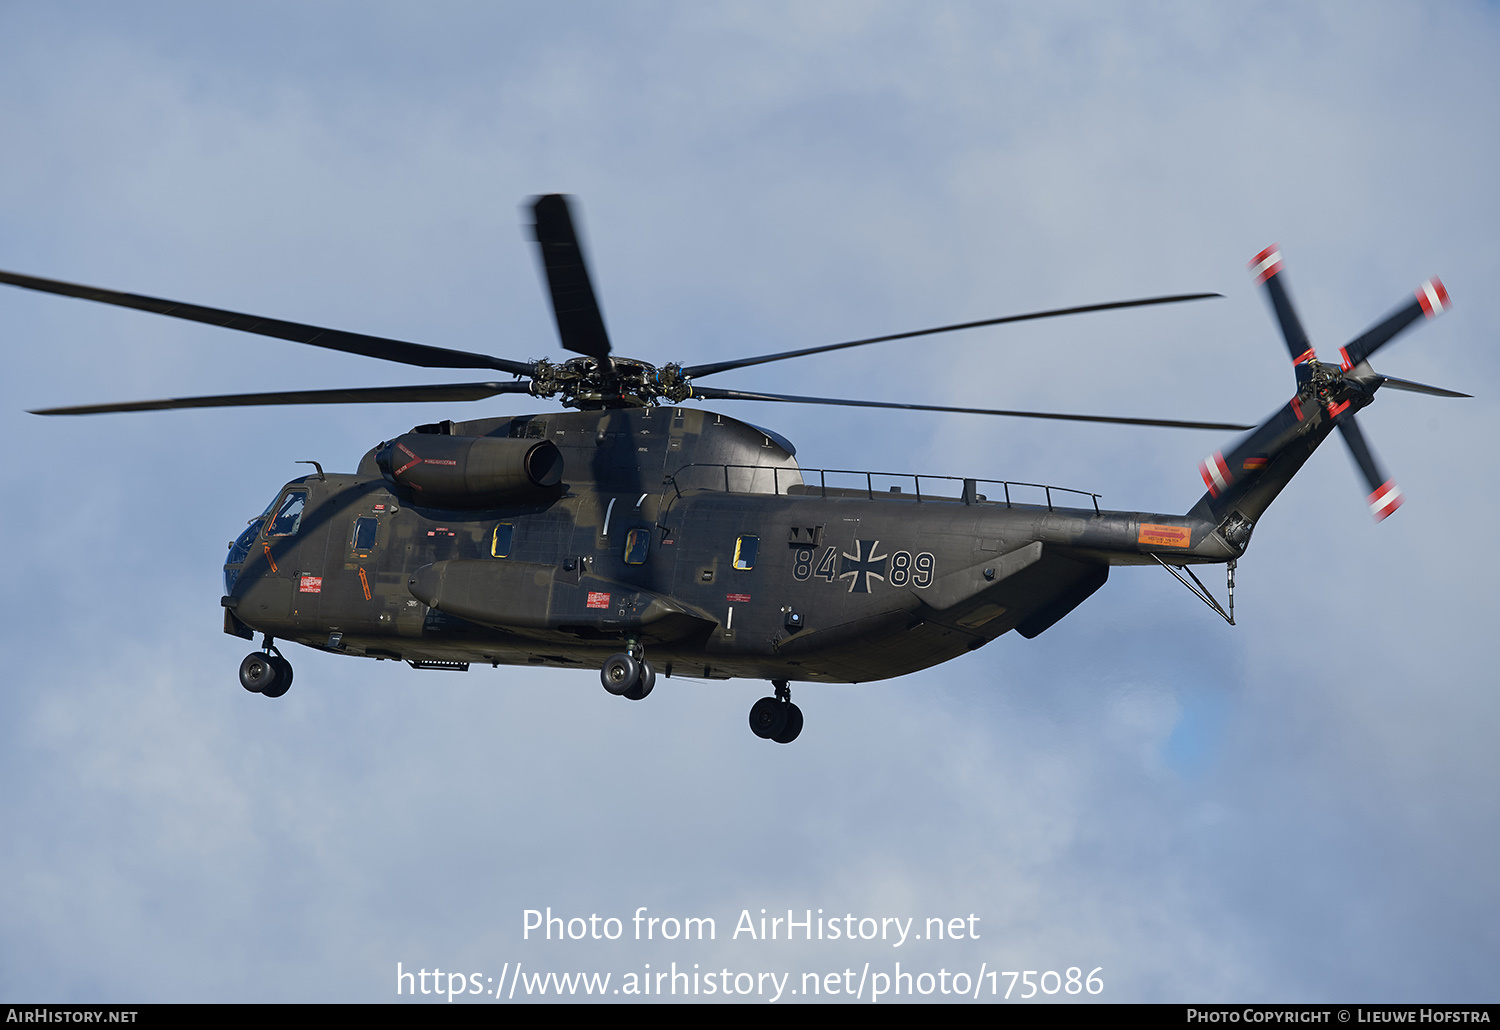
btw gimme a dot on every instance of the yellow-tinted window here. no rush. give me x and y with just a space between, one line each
500 543
744 552
637 543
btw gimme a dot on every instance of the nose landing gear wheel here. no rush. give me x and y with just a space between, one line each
268 674
257 672
284 677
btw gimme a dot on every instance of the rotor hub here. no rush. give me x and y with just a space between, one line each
609 382
1333 386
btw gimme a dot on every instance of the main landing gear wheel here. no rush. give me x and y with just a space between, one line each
620 673
627 676
644 681
776 718
793 725
767 718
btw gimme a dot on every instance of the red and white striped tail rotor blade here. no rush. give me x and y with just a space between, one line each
1215 472
1431 300
1266 264
1385 500
1267 267
1385 496
1433 297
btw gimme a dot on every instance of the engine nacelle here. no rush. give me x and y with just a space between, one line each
471 472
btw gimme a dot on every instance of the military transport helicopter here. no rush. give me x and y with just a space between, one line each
637 533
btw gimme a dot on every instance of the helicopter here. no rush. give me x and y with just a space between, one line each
636 532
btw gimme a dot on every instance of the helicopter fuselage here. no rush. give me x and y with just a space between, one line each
687 536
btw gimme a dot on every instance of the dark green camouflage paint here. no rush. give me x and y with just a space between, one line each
847 586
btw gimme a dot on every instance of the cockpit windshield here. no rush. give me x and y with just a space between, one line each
240 549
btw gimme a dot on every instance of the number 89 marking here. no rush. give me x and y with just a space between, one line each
904 570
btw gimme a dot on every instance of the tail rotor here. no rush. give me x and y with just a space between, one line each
1335 393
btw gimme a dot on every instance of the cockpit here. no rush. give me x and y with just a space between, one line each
282 518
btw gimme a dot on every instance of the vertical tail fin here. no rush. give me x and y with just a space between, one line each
1260 464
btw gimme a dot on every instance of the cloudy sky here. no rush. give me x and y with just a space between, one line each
1298 808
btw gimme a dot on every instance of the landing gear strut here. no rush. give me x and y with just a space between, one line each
266 672
628 674
776 718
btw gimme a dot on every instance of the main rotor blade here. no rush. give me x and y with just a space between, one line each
1266 267
315 336
1431 300
1411 387
723 366
580 324
1385 496
368 395
710 393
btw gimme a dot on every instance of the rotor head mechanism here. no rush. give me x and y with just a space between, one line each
588 382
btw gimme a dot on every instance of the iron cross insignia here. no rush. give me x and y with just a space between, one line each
860 568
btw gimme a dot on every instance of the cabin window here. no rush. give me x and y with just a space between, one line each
637 542
364 534
500 542
288 518
744 552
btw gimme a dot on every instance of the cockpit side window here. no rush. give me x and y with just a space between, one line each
288 517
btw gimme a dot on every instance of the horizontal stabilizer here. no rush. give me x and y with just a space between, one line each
1411 387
